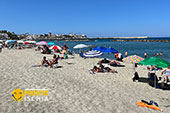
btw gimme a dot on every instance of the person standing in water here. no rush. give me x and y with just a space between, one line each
126 54
145 55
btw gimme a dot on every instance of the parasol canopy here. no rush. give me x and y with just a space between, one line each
133 59
51 43
42 43
155 61
55 47
93 53
79 46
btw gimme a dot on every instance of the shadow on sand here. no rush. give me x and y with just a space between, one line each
159 85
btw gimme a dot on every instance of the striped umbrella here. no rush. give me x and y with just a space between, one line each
133 59
93 53
55 47
42 43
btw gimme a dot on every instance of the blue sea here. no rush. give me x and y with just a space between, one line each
138 48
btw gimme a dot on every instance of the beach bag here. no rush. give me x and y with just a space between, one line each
152 77
136 76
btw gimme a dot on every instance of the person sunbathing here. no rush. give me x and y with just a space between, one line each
106 69
104 61
53 61
44 62
97 70
114 63
167 74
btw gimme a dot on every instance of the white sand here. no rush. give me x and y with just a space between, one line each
72 89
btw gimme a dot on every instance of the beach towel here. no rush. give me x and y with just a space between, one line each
145 104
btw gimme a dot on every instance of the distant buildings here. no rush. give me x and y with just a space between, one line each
4 36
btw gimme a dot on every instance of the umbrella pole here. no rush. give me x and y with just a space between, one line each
155 78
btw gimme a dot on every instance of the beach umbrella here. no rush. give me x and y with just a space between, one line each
133 59
79 46
42 43
26 43
9 41
155 61
1 41
55 47
99 48
20 41
31 42
93 53
109 50
51 43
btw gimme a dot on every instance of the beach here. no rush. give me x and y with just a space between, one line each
71 87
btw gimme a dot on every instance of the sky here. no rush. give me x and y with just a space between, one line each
95 18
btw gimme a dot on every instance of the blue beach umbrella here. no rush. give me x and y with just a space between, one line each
109 50
11 41
51 43
99 48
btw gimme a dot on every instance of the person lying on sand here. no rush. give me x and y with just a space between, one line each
112 63
44 62
106 69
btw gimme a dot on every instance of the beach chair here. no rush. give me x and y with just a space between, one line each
152 79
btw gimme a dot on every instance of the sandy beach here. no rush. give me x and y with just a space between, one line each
71 87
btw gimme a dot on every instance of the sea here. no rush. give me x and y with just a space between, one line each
133 48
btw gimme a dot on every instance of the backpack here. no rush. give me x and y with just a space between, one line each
136 76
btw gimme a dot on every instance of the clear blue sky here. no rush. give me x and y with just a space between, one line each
95 18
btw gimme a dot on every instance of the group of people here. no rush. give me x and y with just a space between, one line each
156 54
50 63
101 69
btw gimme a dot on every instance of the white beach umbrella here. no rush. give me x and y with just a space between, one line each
31 42
79 46
1 41
93 53
20 41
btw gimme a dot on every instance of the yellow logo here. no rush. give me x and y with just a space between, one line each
17 94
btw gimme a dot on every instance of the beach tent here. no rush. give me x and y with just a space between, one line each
79 46
93 53
42 43
133 59
55 47
155 61
51 43
109 50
